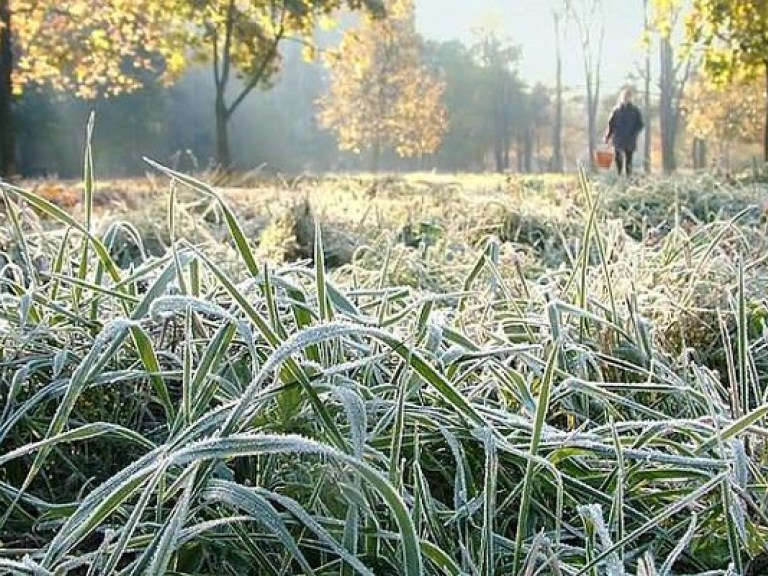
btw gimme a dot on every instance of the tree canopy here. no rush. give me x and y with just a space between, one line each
383 96
735 40
241 40
94 48
87 47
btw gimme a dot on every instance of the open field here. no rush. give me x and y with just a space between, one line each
458 375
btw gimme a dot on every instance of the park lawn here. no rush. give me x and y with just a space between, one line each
458 374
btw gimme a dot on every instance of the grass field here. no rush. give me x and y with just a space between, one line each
417 374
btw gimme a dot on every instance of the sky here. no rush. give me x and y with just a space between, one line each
529 24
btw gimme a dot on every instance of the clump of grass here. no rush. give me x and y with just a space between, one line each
657 203
284 419
288 236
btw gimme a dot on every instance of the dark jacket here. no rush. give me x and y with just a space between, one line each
624 126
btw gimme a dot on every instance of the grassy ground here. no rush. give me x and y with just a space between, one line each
422 374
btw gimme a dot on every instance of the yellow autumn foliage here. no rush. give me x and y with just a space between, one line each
382 94
96 47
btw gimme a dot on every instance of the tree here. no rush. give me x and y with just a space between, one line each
675 66
467 138
420 130
498 59
647 88
529 119
105 47
587 16
735 40
723 115
90 47
492 114
241 40
557 135
382 95
6 91
538 121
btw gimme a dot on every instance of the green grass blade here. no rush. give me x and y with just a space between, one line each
84 432
151 363
99 505
58 214
255 504
440 559
734 429
323 302
26 566
235 230
129 528
666 568
251 445
487 547
314 526
657 520
171 531
542 409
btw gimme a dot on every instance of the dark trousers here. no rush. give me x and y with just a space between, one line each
624 161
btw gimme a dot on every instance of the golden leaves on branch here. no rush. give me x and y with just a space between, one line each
734 36
96 47
726 113
106 47
382 94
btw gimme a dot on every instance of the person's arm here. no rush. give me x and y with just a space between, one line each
640 124
611 126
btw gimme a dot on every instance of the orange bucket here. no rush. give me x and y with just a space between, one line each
603 158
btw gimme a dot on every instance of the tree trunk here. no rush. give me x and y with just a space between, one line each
592 75
376 156
498 153
7 150
585 16
501 139
667 112
647 136
506 145
501 123
765 128
557 136
699 153
223 154
647 98
528 151
591 121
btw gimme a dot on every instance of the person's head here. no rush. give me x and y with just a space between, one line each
625 96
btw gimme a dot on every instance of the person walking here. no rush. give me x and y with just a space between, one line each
624 126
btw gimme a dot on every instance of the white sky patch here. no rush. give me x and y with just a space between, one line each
529 24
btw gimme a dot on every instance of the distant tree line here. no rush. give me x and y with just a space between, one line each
98 48
448 105
301 86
